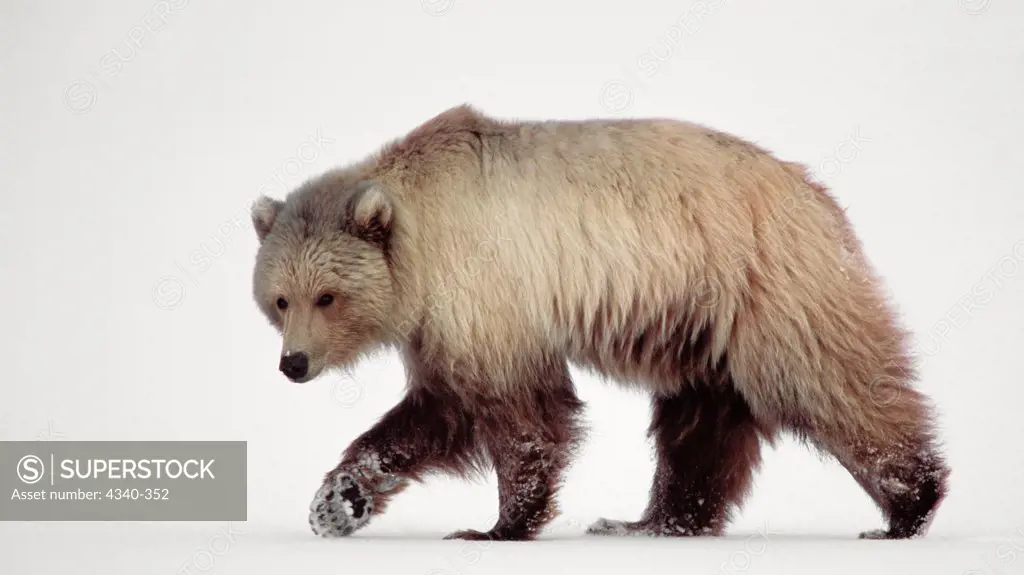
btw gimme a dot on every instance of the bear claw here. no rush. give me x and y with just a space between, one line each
340 507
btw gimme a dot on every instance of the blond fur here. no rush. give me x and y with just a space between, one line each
520 249
658 252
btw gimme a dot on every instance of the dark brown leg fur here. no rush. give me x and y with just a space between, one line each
427 431
707 450
530 441
894 458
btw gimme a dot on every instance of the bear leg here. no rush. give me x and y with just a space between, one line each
708 448
889 447
426 431
530 441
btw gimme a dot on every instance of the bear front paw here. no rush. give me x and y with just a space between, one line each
340 506
610 527
468 535
879 534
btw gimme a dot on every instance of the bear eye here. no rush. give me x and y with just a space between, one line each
281 303
325 300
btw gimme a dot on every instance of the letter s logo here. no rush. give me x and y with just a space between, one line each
30 469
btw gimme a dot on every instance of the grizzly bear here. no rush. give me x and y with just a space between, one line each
492 253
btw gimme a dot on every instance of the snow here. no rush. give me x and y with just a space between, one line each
253 549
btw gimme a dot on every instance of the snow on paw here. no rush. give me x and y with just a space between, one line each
875 534
612 527
340 507
649 528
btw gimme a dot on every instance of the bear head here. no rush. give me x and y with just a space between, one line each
322 275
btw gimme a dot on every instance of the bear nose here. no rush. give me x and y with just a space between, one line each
294 365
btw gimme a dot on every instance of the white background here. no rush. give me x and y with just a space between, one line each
126 251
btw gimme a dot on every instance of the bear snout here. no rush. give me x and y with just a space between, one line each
295 366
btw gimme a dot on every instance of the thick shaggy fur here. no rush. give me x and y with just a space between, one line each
657 252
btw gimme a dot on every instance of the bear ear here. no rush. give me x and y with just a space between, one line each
264 212
369 213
